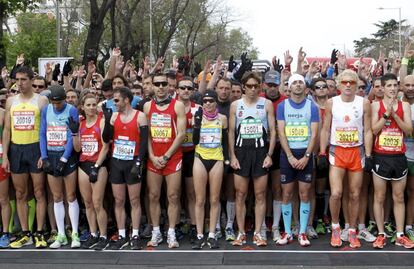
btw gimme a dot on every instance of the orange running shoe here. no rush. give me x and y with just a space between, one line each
380 242
353 239
240 240
259 240
404 241
336 241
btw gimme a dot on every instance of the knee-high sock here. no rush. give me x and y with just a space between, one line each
59 209
304 216
74 215
32 213
231 213
287 217
277 211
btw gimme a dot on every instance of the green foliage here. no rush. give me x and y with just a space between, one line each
13 6
35 37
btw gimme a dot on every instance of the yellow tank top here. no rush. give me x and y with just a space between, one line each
25 121
209 147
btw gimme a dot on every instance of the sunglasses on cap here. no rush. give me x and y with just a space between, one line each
160 84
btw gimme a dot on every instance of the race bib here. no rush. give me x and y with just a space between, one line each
188 140
390 140
251 129
161 130
296 131
210 137
23 120
56 136
124 149
346 136
89 145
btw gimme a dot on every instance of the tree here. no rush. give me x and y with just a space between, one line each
7 8
35 37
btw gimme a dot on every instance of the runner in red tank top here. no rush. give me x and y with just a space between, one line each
128 128
185 92
92 171
391 121
167 123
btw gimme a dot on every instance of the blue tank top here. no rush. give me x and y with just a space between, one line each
297 125
57 131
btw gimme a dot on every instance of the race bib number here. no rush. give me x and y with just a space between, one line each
89 146
251 129
346 136
124 149
161 130
390 140
56 136
24 120
210 137
296 131
188 140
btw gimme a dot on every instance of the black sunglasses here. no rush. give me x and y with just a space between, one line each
161 83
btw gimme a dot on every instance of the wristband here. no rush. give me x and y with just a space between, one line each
404 61
290 157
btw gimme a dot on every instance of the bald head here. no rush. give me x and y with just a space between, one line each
408 86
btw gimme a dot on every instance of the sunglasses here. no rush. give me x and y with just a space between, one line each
14 91
38 86
251 86
160 84
351 82
116 100
321 87
186 87
209 100
361 87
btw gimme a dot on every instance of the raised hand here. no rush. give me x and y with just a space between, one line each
288 58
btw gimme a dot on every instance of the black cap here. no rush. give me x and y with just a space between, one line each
210 93
57 93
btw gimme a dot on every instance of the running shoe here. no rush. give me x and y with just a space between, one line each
353 239
102 244
146 233
240 240
276 234
389 229
85 235
75 241
172 241
380 241
295 231
285 239
218 233
135 243
52 237
230 235
259 240
179 233
23 240
119 244
90 243
344 235
320 227
193 234
198 243
410 234
156 239
372 228
40 241
5 240
403 241
61 240
303 240
212 243
336 241
365 235
311 233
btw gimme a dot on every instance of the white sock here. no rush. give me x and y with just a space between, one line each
346 226
264 227
94 234
59 210
200 236
277 213
135 232
335 225
231 213
122 233
171 231
361 226
156 229
211 235
74 215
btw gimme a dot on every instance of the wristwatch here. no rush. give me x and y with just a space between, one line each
307 155
385 116
96 165
166 158
226 162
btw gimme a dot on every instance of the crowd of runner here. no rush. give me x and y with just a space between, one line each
136 156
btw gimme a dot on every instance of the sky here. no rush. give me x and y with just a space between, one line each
316 25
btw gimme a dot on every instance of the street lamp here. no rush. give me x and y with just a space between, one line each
342 44
399 26
150 28
57 29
